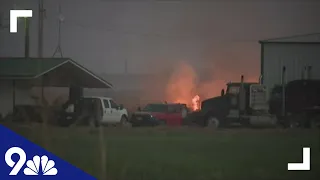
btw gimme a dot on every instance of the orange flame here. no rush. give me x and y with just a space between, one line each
196 103
184 85
181 87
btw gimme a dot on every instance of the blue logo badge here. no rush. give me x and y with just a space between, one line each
22 159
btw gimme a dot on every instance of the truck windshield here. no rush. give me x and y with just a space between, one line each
234 90
87 104
155 108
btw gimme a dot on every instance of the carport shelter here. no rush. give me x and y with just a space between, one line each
17 74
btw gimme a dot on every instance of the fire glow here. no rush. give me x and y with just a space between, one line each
184 86
196 103
181 87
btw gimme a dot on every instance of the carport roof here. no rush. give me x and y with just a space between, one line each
33 68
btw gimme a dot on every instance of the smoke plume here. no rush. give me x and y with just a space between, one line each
184 84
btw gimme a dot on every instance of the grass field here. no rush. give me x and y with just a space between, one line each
184 153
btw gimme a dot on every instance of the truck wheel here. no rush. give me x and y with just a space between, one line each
124 121
213 122
293 124
295 121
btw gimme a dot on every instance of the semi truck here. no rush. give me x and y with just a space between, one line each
242 103
291 104
297 103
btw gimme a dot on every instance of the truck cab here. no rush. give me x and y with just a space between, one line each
243 103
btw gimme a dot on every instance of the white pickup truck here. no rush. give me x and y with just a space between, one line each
102 111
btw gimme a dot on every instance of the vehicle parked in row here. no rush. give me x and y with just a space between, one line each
300 104
160 114
94 111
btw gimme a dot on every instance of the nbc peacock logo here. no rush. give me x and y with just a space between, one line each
36 166
47 166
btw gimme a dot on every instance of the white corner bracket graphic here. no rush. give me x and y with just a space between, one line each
14 15
305 165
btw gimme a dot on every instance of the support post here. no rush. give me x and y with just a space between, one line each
283 109
40 29
27 38
309 72
42 89
13 96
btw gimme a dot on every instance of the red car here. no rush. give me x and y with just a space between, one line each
156 114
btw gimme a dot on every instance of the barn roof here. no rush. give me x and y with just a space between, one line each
27 68
61 72
302 38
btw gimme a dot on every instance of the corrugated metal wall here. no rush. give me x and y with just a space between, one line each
294 56
22 96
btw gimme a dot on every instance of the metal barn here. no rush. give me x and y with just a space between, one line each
299 54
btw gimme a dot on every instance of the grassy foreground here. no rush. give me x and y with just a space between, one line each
184 153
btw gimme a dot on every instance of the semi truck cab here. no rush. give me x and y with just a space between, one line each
243 103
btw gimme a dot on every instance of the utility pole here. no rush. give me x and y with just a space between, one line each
41 17
40 28
27 38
